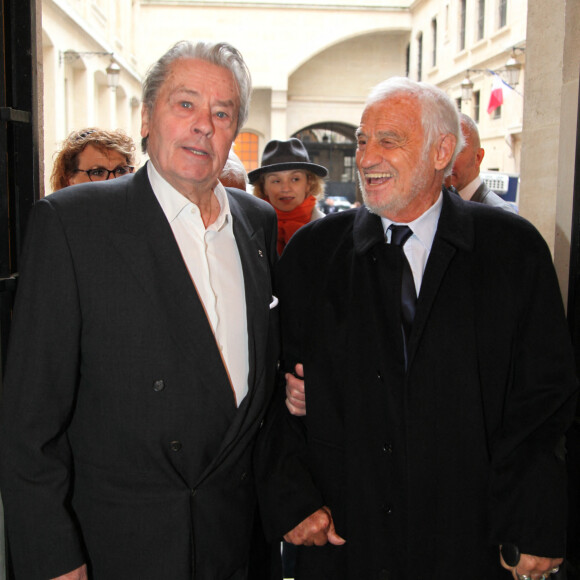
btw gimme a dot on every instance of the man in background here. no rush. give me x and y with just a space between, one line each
234 173
465 176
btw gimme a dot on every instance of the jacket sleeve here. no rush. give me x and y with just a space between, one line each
286 491
38 400
528 492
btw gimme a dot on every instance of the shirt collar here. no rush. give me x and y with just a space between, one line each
425 226
173 203
467 192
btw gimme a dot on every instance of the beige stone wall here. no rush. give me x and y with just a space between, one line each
550 120
501 138
76 94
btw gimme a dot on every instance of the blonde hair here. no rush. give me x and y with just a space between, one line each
316 184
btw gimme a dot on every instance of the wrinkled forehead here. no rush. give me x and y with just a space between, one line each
396 113
201 77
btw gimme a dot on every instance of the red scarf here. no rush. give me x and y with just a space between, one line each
290 221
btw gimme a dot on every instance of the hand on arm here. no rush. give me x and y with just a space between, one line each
295 395
316 530
78 574
533 566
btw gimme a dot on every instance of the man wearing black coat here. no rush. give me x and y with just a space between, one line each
433 431
143 351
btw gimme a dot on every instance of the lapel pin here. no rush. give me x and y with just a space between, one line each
260 253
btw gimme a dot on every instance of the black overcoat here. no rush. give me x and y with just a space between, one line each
121 444
427 470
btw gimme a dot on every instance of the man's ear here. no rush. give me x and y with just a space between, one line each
144 121
444 149
479 156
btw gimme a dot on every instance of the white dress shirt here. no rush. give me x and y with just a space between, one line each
418 246
212 258
467 192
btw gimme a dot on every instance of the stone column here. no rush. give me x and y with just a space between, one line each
279 120
549 127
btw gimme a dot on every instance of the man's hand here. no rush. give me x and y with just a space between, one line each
78 574
316 530
295 396
533 567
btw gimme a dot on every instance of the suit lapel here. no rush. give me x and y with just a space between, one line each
479 193
151 253
455 231
257 283
381 297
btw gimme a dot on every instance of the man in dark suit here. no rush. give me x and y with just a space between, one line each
464 176
143 350
433 426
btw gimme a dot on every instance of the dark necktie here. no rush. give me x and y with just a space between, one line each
399 235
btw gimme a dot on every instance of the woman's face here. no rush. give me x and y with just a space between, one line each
286 190
92 157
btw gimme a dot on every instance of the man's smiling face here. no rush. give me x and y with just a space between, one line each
192 125
397 173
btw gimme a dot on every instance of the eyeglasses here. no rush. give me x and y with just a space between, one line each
102 174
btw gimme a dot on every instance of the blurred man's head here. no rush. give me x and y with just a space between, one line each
234 173
466 166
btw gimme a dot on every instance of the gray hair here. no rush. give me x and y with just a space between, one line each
221 54
234 172
471 129
438 112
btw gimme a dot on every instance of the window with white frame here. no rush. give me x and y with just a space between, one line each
420 56
480 19
502 15
462 20
434 42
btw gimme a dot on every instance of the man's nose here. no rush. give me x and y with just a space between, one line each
203 122
370 156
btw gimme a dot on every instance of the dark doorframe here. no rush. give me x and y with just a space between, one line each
19 142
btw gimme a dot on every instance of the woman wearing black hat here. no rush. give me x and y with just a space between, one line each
291 183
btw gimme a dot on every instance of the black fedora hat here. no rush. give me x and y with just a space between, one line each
285 156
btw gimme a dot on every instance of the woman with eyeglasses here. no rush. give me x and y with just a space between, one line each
92 155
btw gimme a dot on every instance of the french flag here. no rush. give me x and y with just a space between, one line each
496 96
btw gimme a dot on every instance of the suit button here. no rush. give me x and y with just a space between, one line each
387 448
158 386
175 446
384 575
244 476
379 376
277 365
387 508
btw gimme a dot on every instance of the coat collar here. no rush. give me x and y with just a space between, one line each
455 226
455 231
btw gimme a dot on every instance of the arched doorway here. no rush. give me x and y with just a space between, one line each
333 145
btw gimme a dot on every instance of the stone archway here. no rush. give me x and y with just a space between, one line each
333 145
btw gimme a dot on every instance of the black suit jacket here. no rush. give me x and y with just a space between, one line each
428 470
121 443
